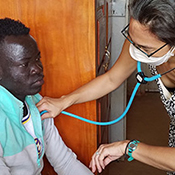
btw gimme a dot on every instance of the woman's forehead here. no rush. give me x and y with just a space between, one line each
141 35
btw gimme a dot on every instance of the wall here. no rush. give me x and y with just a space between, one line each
118 97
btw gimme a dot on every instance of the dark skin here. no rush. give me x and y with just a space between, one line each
21 71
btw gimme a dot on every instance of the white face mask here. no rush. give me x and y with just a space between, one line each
137 55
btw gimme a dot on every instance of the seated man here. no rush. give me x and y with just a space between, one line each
23 137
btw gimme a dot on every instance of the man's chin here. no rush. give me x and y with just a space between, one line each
35 91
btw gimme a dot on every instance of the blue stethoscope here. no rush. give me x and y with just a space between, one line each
141 79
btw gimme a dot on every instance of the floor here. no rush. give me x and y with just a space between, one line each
148 122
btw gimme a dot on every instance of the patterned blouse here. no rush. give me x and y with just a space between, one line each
169 104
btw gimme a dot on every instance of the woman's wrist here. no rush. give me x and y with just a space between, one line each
69 100
122 145
130 147
125 144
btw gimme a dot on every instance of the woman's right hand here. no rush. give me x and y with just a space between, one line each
53 106
107 153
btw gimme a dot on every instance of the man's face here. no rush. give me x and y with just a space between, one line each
21 69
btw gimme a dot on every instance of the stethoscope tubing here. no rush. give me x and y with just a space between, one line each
104 123
110 122
147 79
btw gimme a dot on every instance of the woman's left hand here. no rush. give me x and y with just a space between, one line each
107 153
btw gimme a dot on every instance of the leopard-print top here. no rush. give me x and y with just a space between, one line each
169 105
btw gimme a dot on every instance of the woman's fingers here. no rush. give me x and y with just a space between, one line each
49 105
97 161
105 154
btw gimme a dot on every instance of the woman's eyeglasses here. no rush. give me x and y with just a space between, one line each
125 33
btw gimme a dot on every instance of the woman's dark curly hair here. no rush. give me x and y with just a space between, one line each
11 27
157 15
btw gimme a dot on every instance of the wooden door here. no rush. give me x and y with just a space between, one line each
103 62
65 33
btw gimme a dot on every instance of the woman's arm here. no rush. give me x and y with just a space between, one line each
159 157
95 89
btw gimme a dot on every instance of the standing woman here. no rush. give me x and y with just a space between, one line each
150 38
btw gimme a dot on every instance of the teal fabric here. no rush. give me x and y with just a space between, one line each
13 136
18 151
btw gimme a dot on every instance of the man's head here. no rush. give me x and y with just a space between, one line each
21 70
158 16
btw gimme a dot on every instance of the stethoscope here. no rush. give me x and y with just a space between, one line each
141 79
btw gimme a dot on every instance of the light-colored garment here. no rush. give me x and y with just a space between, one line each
28 124
18 151
166 93
168 100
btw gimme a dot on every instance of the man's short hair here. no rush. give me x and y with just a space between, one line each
12 27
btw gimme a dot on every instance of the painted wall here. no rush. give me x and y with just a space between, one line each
118 97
